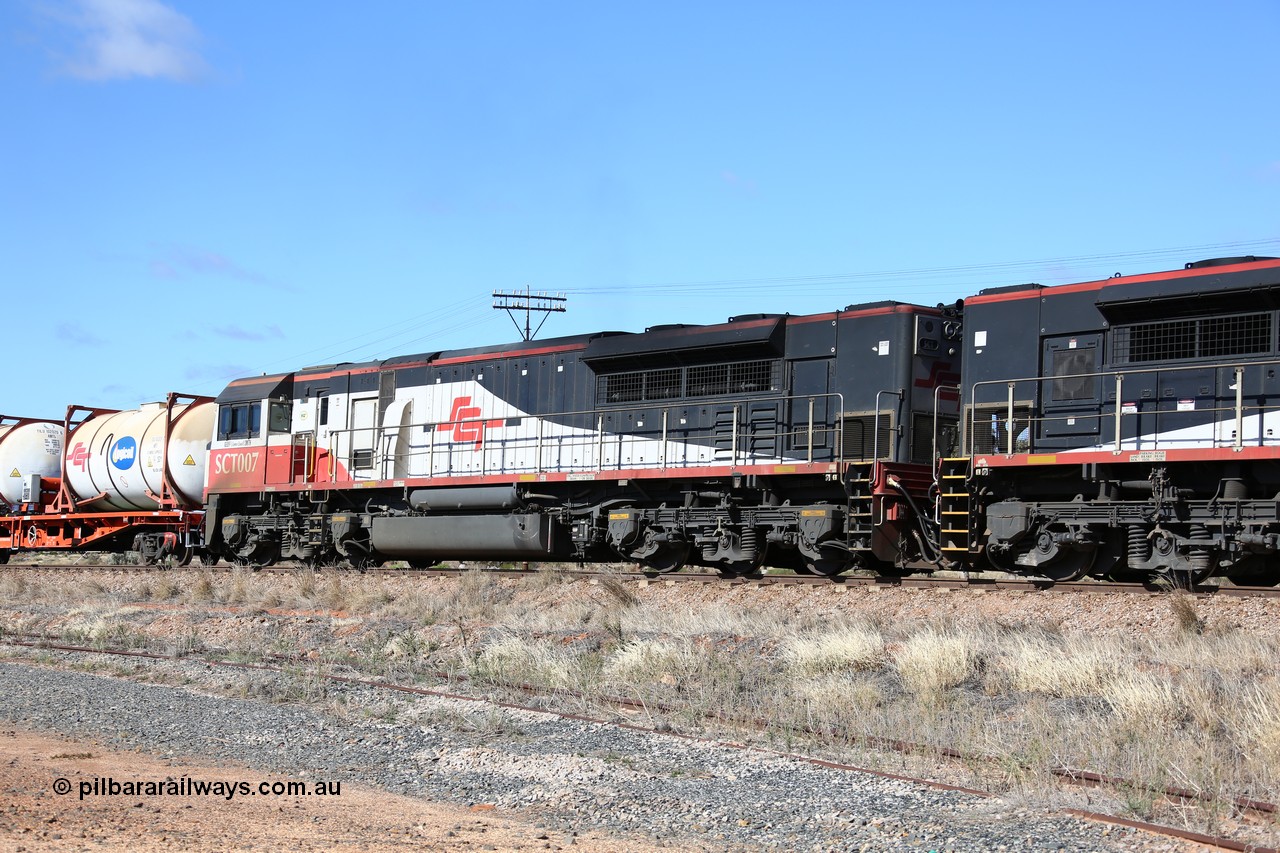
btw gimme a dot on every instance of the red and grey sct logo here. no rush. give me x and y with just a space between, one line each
466 424
79 456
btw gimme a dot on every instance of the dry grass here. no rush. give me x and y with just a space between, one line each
1142 701
932 661
1255 723
852 648
653 660
1043 663
515 660
1195 704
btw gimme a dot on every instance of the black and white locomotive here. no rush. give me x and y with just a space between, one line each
1121 428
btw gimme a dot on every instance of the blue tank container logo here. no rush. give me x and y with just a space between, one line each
123 452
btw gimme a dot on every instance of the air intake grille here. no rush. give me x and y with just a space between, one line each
861 443
1203 337
674 383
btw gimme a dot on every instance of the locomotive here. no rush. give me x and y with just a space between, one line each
1117 428
747 443
1143 439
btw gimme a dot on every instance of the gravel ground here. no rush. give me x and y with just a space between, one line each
570 774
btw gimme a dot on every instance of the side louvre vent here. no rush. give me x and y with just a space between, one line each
860 440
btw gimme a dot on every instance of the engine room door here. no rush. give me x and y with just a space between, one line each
364 438
809 381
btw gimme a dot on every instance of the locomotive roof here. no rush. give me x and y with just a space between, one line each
534 347
743 332
257 388
762 331
1234 276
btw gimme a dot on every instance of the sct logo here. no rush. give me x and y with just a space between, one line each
123 452
465 423
79 455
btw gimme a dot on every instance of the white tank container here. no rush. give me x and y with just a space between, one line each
26 449
121 456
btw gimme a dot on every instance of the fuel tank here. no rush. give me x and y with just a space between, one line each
27 449
114 461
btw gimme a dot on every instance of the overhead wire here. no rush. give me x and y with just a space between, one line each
916 273
926 283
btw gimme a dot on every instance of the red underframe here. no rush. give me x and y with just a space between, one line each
69 531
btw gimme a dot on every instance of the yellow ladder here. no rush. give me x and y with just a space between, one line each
955 518
861 520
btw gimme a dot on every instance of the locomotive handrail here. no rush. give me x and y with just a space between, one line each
875 424
1117 409
936 464
493 440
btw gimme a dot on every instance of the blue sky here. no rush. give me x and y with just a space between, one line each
195 191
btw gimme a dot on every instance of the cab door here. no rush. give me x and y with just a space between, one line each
280 442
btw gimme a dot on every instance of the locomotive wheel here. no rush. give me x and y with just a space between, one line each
867 561
183 556
1183 570
834 560
1255 570
830 567
1069 565
1183 578
741 569
362 564
260 558
1057 564
669 559
4 556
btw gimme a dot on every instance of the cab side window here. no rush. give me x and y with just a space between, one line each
280 416
239 420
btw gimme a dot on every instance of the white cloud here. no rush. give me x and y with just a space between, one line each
180 262
77 335
120 39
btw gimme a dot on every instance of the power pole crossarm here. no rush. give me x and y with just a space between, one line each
529 302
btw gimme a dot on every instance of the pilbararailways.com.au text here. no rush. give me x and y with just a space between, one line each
185 786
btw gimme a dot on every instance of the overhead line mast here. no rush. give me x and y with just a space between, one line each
529 302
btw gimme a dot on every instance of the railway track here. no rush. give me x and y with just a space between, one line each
1239 805
973 583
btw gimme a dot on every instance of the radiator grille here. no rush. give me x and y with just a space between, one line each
1203 337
